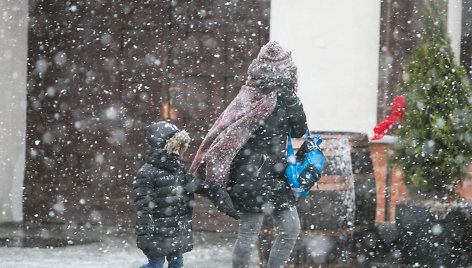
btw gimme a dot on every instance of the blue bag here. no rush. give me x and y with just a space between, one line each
305 172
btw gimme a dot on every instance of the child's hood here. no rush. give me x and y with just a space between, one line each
156 138
158 134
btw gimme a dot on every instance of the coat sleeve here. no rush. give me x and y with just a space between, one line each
296 118
144 200
214 192
195 185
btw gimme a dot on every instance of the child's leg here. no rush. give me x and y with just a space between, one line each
175 261
154 263
288 223
249 228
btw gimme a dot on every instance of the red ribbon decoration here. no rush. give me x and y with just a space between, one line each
398 107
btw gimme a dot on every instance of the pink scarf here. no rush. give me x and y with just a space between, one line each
232 130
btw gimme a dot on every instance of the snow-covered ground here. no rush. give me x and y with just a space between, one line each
119 251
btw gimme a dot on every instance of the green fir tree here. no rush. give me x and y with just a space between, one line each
434 143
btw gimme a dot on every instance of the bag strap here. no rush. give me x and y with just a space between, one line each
291 158
317 137
290 155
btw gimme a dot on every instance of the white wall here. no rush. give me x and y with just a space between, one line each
454 25
13 53
335 45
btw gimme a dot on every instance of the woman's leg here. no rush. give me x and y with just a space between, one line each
249 228
175 261
288 223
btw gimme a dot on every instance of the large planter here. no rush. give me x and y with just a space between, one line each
434 234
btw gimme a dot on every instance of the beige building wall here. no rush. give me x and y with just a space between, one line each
454 24
13 54
335 45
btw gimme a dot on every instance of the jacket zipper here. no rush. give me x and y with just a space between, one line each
264 158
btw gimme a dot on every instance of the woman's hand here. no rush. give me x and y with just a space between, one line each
287 95
225 205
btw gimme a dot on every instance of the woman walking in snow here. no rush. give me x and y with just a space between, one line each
246 148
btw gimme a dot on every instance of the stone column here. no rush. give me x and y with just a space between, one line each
454 24
13 54
335 45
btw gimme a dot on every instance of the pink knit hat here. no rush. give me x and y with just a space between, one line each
272 53
273 64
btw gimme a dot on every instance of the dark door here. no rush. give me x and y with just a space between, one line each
102 83
212 45
466 37
400 30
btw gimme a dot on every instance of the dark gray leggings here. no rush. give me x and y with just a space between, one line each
287 222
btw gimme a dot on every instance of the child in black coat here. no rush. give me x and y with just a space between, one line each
164 193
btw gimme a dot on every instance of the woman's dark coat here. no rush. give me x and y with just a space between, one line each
257 174
164 194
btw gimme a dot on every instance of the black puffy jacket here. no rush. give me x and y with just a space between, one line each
163 197
257 174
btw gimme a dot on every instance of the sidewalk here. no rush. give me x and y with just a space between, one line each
111 247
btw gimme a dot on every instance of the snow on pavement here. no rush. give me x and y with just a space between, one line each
211 250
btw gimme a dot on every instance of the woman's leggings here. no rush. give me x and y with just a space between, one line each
250 224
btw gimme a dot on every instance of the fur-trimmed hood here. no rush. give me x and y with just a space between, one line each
179 141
